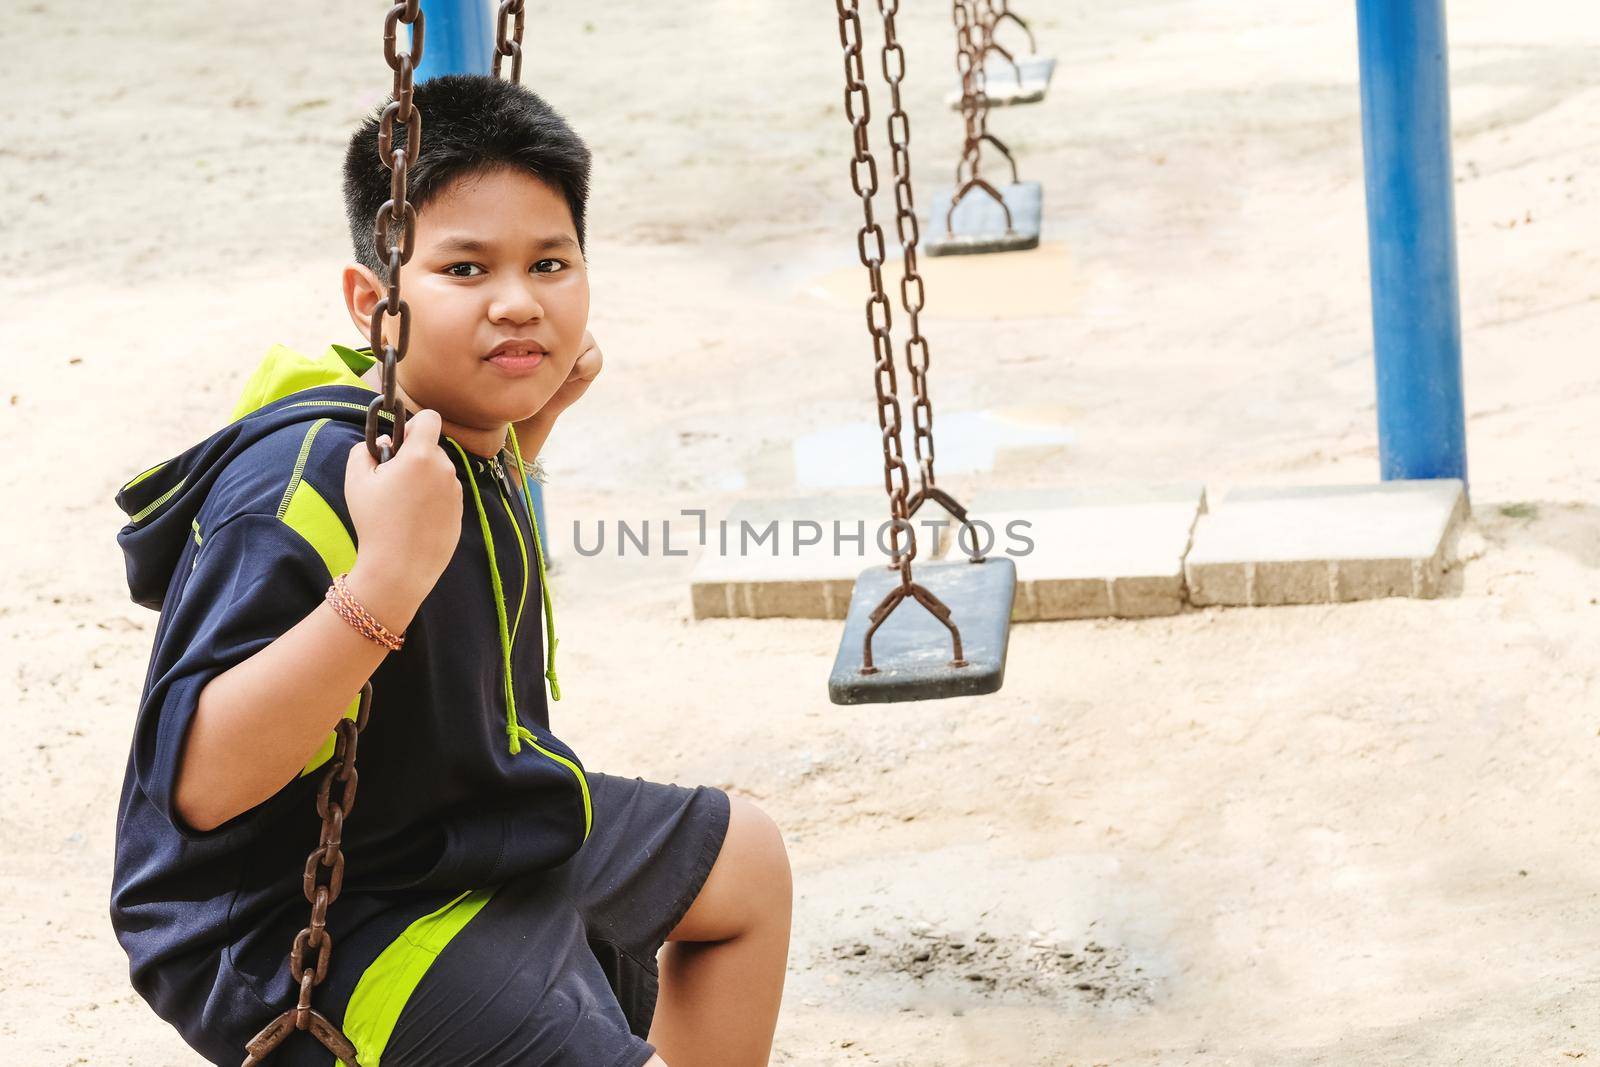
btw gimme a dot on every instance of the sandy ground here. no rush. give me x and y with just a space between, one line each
1330 835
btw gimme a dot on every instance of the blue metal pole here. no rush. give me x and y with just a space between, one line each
459 39
1416 313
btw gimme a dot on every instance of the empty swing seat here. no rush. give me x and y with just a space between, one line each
1004 87
912 649
979 224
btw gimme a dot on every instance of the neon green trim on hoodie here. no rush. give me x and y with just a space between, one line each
384 987
142 476
155 505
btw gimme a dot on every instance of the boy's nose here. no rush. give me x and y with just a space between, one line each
516 303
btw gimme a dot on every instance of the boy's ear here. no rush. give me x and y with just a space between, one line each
362 291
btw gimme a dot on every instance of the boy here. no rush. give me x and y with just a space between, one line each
501 905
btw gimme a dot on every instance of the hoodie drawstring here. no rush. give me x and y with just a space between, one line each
516 733
514 729
544 586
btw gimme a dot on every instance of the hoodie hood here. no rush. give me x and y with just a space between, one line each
162 503
284 371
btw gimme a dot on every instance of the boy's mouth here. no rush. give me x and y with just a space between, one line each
519 355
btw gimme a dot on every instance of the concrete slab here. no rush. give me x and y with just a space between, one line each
1324 544
1094 553
1006 85
794 557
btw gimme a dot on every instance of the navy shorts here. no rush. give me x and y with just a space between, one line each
558 969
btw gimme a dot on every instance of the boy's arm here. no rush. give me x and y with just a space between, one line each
256 724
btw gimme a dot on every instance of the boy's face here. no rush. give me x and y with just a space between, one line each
499 297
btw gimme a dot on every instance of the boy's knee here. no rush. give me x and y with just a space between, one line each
759 847
749 887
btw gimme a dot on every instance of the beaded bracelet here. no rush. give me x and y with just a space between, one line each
351 611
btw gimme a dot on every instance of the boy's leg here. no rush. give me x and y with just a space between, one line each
722 971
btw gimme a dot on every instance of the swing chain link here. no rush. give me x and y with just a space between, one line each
323 878
399 141
864 181
974 101
322 883
913 295
1003 13
509 43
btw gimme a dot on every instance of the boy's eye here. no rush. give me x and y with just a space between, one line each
463 270
548 266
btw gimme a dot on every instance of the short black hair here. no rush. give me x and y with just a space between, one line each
470 124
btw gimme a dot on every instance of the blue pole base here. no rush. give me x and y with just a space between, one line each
1416 315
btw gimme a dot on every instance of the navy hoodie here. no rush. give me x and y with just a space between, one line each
462 785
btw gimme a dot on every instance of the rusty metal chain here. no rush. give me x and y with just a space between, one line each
399 140
913 293
996 12
974 24
323 879
1003 13
983 24
395 233
871 247
508 37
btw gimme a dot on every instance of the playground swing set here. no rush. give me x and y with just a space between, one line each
957 644
979 592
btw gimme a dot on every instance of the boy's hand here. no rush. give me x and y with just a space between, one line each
578 379
533 431
407 515
583 372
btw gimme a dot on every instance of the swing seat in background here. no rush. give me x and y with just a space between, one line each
979 224
912 649
1005 85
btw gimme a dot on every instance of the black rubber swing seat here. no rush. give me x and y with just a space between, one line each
979 223
1005 85
912 649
